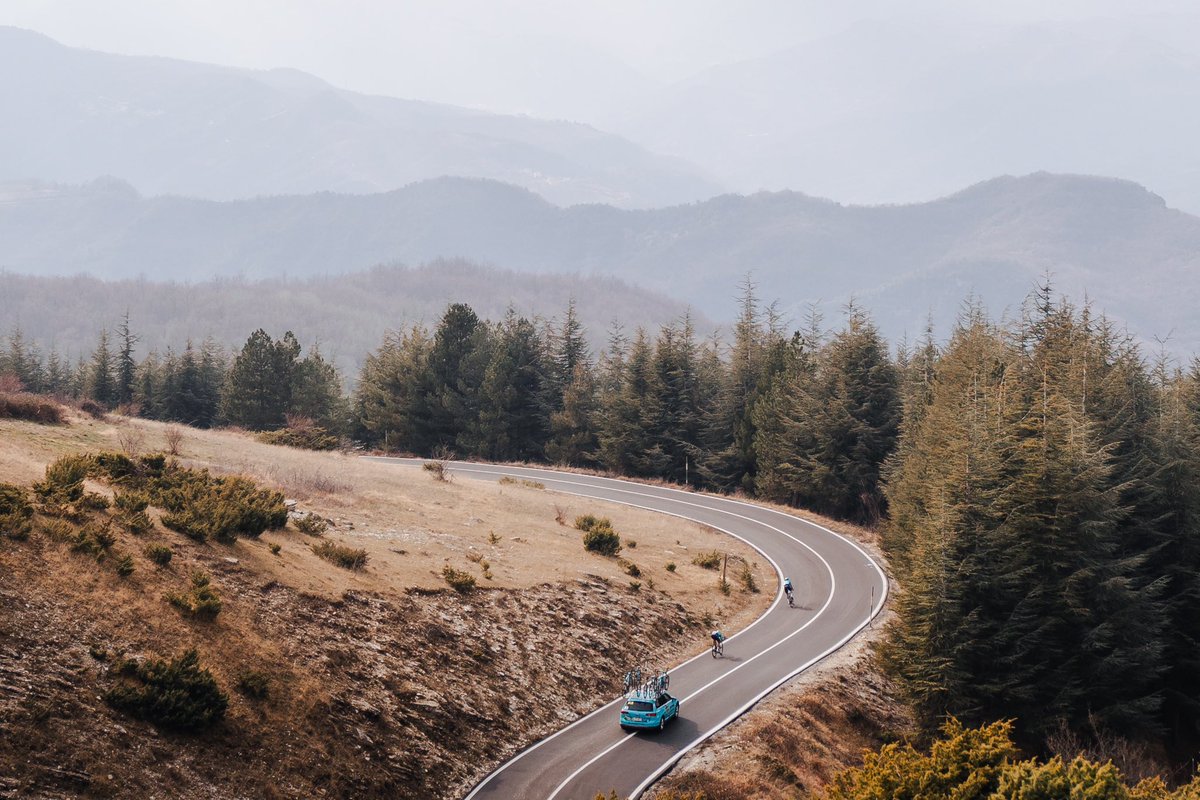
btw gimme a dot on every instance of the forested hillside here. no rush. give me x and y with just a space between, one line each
346 314
1036 480
1111 240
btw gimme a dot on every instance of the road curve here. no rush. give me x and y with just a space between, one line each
839 590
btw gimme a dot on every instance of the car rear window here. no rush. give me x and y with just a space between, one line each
639 705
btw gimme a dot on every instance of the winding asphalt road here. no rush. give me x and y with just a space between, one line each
839 590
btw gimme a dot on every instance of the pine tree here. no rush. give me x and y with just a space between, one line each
510 424
392 400
101 385
126 367
258 389
317 392
455 370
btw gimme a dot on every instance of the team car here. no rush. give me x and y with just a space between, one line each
648 710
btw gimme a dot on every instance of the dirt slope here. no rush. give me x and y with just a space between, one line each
382 682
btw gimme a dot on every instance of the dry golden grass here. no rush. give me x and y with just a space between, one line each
412 526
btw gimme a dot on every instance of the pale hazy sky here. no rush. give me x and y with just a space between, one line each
535 56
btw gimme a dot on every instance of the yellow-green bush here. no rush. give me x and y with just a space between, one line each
200 601
16 512
598 535
984 764
348 557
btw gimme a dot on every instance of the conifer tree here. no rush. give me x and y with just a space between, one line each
392 399
510 424
258 389
126 366
101 385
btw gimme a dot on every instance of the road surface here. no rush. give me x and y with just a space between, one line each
839 590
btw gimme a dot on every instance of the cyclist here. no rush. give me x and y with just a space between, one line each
718 639
787 589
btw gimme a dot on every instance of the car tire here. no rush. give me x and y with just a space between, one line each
662 722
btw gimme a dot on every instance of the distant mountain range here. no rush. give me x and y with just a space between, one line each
1110 240
906 110
177 127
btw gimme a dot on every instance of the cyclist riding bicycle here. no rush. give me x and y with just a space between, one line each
718 639
787 586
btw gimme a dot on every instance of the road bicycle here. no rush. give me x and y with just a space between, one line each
791 599
718 648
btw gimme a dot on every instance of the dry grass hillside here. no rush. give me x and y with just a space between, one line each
379 681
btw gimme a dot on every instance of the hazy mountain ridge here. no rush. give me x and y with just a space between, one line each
186 128
904 110
1111 240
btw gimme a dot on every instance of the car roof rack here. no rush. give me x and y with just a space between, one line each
642 684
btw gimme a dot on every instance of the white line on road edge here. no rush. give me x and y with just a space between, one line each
678 755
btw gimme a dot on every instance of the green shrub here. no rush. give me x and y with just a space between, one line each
59 530
16 512
63 483
312 437
631 544
635 586
138 523
159 553
93 539
93 502
274 547
459 581
31 408
709 560
311 524
179 694
198 505
746 576
599 536
125 566
131 502
254 684
630 568
606 543
670 566
347 557
201 601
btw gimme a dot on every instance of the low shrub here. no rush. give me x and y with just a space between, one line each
201 600
599 536
159 553
198 505
511 481
746 577
630 568
458 580
58 529
631 544
93 539
124 566
635 586
31 408
311 524
347 557
274 547
63 483
131 502
254 684
94 502
709 560
16 512
312 437
671 566
178 694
